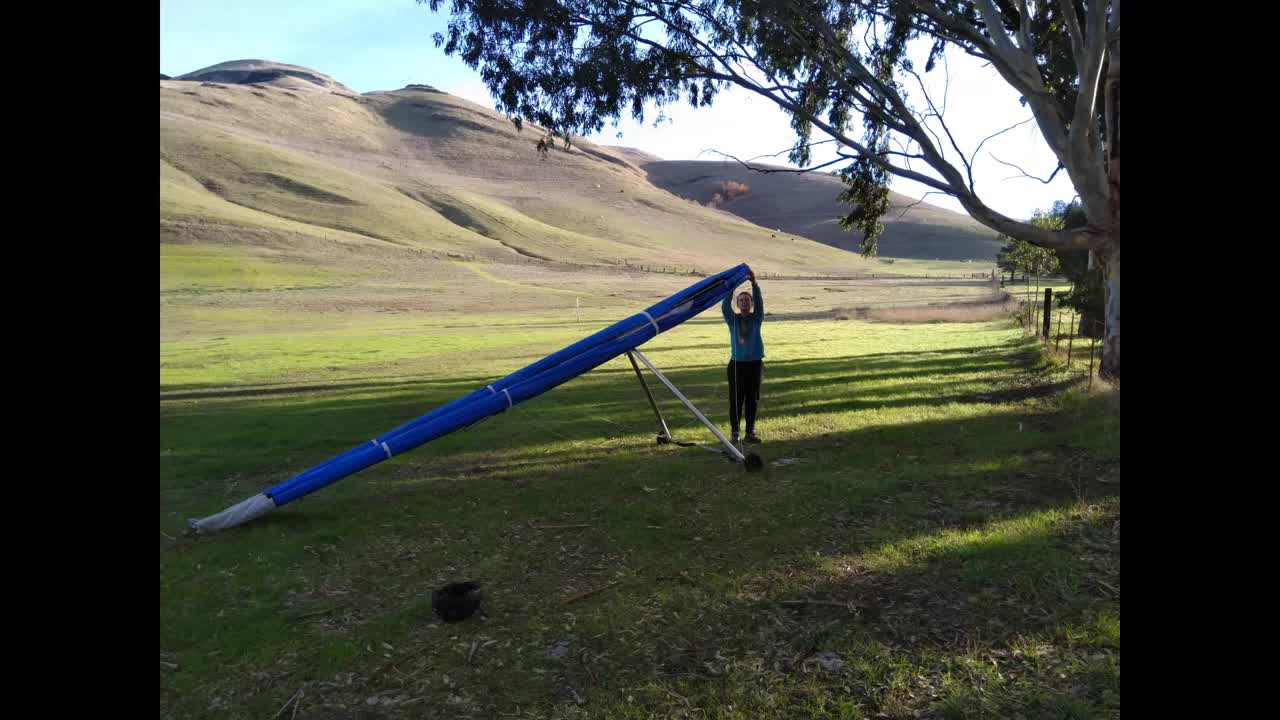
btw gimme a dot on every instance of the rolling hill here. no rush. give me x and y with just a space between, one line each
276 162
287 159
805 205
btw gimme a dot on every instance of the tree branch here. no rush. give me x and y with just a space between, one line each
922 197
1024 172
825 127
905 149
965 35
921 118
888 103
964 43
953 182
947 130
903 154
946 88
1084 143
1073 29
882 153
791 88
909 126
995 26
793 147
1024 27
730 39
984 140
872 107
767 171
1017 69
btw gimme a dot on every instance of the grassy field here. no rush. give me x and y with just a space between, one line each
910 266
935 533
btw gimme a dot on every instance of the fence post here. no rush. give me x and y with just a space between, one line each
1048 311
1092 344
1057 337
1071 337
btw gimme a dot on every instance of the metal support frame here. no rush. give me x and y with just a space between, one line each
734 452
664 434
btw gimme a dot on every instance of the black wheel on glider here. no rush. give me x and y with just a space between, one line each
753 462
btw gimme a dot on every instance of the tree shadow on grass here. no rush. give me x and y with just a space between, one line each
703 611
712 602
274 435
1004 618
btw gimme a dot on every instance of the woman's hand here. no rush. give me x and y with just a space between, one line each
751 275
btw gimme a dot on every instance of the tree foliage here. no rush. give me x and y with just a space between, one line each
839 68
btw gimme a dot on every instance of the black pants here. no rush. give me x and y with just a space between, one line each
744 389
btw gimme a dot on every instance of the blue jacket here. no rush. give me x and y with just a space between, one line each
744 330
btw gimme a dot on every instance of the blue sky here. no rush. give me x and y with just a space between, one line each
386 44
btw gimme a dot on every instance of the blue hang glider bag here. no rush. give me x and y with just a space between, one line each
497 397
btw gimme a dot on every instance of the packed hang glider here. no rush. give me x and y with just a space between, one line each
499 396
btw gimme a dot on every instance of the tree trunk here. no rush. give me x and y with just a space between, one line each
1088 325
1110 366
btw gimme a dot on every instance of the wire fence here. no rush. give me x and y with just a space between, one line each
1069 332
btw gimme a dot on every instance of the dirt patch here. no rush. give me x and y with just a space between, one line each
998 308
1018 394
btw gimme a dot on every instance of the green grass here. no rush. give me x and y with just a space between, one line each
936 530
936 509
192 268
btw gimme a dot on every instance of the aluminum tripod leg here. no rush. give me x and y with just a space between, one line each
663 431
735 452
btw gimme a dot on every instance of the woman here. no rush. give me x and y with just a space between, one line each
746 364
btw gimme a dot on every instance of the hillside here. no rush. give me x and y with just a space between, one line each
246 72
805 205
276 157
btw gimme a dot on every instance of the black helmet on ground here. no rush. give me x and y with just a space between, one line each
457 601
